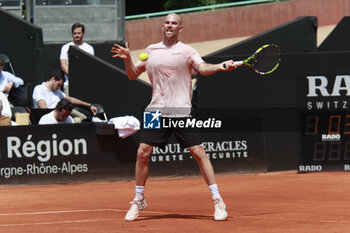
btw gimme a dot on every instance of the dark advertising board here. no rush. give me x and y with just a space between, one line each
44 154
227 149
59 154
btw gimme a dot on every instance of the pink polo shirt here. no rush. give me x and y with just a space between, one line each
169 70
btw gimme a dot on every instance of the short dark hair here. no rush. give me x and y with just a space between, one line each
1 63
58 75
64 104
78 25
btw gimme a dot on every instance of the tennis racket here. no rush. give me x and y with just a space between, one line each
264 61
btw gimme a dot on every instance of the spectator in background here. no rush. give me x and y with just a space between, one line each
61 115
48 94
78 31
4 120
6 108
8 80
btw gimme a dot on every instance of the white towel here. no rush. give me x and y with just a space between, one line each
126 125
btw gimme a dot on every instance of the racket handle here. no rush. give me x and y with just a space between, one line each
236 63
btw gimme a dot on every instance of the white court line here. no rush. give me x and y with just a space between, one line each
293 219
65 222
74 211
264 216
60 212
58 222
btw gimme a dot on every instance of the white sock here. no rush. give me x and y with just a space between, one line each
140 192
214 191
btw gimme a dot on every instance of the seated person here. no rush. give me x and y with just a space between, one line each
8 80
6 108
61 115
4 120
48 94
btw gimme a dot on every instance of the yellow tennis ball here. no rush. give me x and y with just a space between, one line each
143 56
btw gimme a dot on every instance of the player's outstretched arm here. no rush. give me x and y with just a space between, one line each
124 53
208 69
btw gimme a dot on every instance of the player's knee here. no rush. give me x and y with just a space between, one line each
196 149
142 155
198 152
144 152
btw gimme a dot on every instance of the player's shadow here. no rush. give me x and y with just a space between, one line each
175 216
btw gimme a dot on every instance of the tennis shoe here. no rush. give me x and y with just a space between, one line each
135 208
220 210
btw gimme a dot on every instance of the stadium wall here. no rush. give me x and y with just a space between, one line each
237 21
23 43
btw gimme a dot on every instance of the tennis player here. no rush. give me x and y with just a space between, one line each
169 67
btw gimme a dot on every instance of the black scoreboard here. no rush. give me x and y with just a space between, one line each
325 141
325 122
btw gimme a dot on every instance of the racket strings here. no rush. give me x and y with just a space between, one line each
267 59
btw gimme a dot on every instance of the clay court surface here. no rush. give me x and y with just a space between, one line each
269 202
